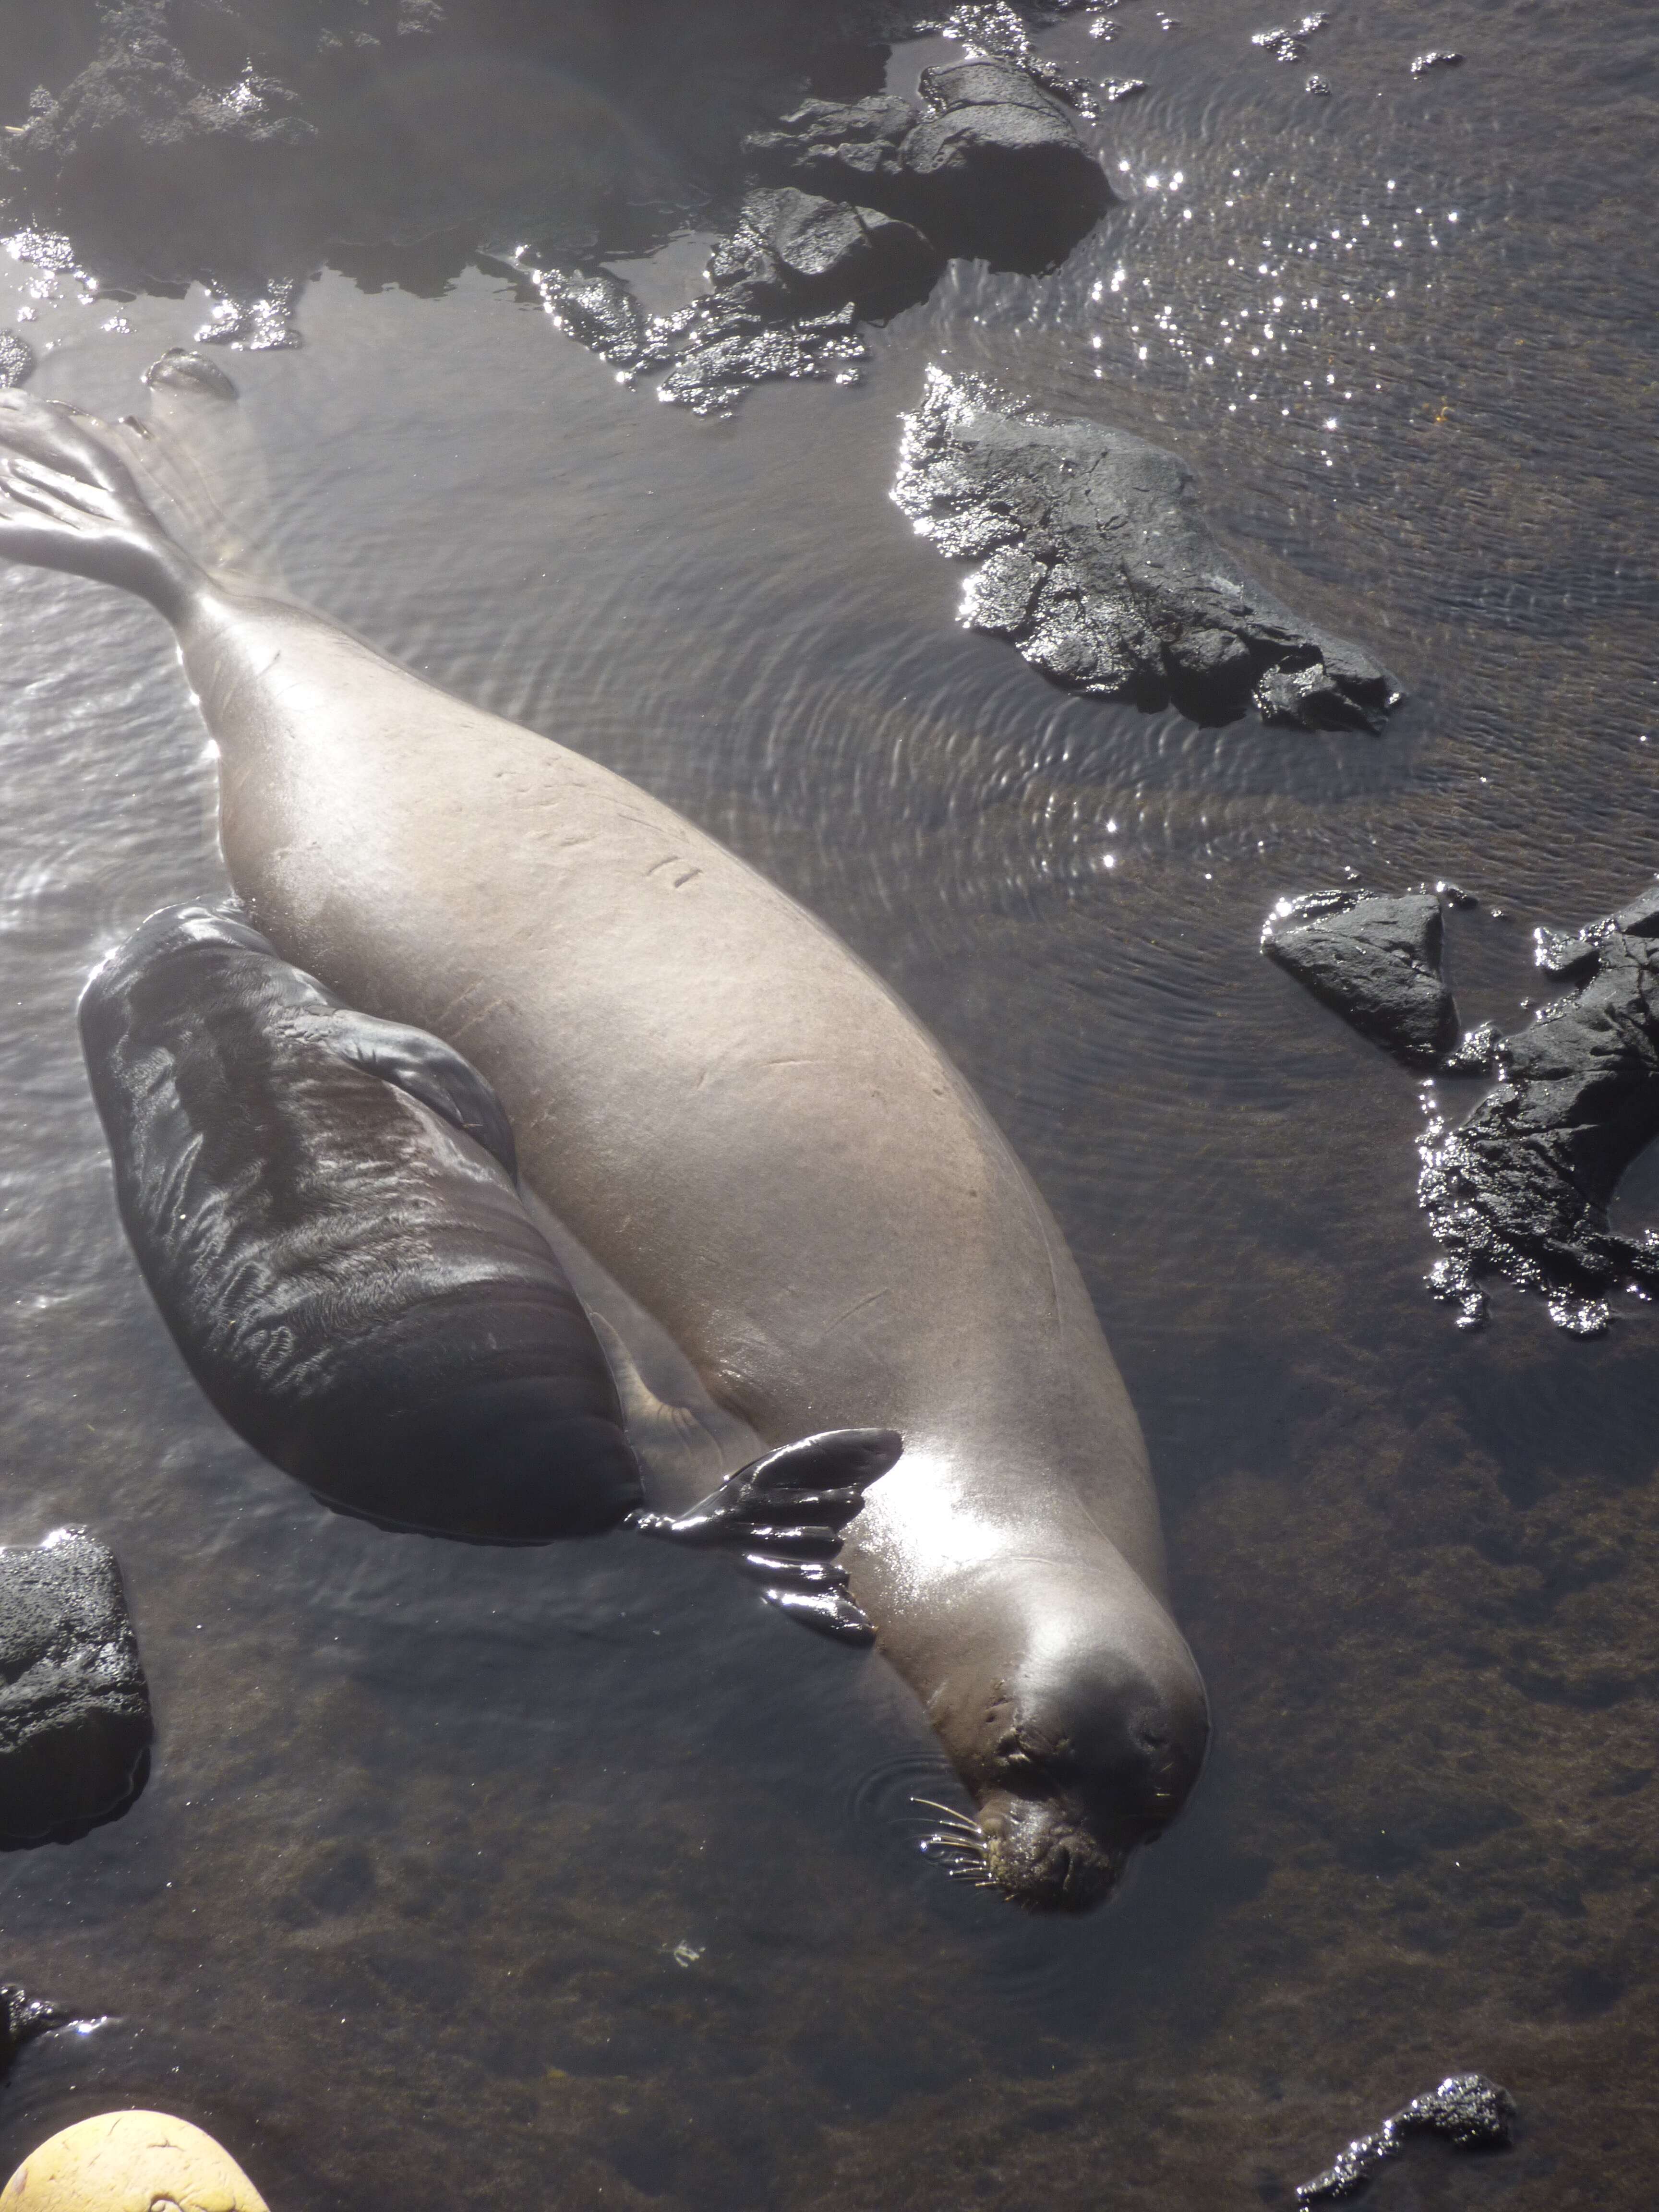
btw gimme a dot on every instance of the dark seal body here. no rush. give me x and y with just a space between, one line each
325 1209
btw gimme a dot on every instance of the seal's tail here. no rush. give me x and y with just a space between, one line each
68 501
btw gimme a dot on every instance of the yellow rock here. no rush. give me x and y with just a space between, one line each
131 2163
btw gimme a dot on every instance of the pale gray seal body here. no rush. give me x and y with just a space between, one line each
748 1129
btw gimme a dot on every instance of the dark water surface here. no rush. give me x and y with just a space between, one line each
567 1878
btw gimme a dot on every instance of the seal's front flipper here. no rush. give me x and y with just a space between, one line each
793 1506
831 1613
431 1072
799 1498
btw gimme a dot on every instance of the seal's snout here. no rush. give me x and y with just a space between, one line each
1041 1855
1074 1765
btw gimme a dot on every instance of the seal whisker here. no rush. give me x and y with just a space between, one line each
961 1820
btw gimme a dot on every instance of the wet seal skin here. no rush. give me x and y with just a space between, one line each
131 2163
1376 959
75 1715
741 1125
1470 2112
1099 565
1521 1187
325 1208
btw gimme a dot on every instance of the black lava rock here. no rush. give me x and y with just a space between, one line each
138 126
848 151
998 167
793 251
784 291
1521 1187
1469 2112
990 165
1100 567
23 2017
75 1717
1377 960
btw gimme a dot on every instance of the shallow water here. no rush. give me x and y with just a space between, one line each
568 1877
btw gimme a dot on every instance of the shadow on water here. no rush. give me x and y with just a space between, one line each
392 138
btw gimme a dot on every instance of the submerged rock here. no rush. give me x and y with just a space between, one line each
1521 1187
1100 567
16 361
1377 960
1470 2111
75 1716
989 165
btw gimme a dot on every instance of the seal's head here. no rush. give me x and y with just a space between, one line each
1080 1737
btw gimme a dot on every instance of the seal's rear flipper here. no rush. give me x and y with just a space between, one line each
68 501
792 1505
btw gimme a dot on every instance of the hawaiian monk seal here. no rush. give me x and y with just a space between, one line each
746 1128
326 1207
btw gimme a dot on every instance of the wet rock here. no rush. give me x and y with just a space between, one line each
991 29
1376 960
1098 564
785 292
23 2017
138 125
794 250
997 166
75 1716
849 151
990 164
16 361
713 350
262 323
1521 1187
726 355
598 311
1470 2112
